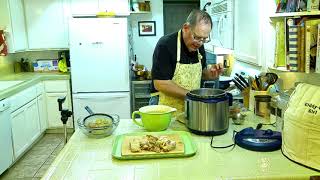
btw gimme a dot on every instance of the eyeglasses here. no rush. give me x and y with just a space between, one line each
200 39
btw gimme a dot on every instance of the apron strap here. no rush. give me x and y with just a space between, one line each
179 48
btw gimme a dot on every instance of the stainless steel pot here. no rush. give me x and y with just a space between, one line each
207 111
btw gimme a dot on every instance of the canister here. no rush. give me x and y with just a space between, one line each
262 106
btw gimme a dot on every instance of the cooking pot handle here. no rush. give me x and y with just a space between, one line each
230 97
134 118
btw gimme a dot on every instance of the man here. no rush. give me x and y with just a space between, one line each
179 61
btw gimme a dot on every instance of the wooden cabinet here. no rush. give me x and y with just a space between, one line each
253 33
47 24
55 89
140 94
92 7
25 127
12 20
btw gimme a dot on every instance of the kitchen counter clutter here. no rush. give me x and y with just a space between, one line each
28 79
86 158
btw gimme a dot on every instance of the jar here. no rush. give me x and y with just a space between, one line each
262 106
147 8
142 6
135 6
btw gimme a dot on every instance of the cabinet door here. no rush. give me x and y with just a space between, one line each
19 132
84 7
18 38
119 6
54 116
47 25
247 31
42 108
31 121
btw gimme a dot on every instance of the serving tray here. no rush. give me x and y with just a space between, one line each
183 138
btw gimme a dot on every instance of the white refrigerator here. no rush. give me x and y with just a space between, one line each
99 66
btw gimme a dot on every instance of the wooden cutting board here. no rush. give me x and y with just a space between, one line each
125 150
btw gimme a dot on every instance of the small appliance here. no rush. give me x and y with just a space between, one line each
258 140
207 111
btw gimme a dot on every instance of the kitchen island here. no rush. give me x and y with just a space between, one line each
87 158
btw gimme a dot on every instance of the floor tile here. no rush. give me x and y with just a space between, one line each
58 149
42 170
21 171
37 160
30 159
42 150
50 159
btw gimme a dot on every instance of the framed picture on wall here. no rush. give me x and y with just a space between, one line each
147 28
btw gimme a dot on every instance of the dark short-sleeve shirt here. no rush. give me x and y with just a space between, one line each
165 57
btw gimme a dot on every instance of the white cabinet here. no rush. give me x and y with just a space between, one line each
25 127
54 90
47 23
12 20
42 107
20 141
253 31
92 7
32 121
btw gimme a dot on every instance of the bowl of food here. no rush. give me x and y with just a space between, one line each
97 126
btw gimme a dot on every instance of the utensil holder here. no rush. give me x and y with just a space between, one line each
262 106
251 98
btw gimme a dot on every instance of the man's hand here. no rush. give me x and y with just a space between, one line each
213 71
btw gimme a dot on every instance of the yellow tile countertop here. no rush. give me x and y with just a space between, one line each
28 79
86 158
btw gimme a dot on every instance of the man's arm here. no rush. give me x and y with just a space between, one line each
170 88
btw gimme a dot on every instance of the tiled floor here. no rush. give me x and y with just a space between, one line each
37 160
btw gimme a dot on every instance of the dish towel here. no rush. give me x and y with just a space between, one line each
301 128
3 45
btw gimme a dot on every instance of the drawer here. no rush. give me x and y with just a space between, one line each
56 86
22 98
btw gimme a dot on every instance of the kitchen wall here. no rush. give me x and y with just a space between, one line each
143 46
7 62
6 65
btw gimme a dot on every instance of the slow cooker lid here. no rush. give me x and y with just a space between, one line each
206 93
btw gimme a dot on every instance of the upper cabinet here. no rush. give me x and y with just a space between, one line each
12 20
92 7
253 32
47 24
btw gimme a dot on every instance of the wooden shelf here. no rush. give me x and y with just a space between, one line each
294 14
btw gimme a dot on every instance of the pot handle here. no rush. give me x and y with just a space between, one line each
230 97
134 118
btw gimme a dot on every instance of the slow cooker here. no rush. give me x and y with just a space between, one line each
207 111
